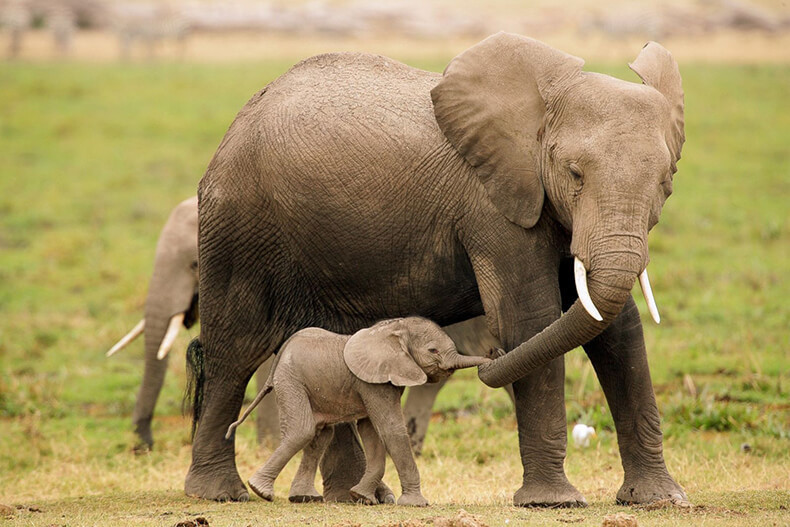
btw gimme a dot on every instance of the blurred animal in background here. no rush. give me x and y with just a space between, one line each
171 302
322 378
16 18
516 185
150 26
582 434
62 22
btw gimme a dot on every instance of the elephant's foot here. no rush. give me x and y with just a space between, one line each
364 495
262 486
384 494
647 488
303 493
215 485
369 495
413 499
142 429
305 498
550 495
338 495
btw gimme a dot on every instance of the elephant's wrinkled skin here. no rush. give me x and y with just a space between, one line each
355 188
322 378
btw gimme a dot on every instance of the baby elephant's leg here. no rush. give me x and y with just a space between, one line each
383 404
303 486
298 429
375 459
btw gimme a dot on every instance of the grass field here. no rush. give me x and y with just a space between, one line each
92 159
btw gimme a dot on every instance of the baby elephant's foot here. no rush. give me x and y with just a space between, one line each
384 494
263 487
305 498
413 499
364 495
302 492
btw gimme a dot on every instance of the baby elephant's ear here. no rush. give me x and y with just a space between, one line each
380 354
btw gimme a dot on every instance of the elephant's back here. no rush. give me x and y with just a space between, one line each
343 110
313 359
341 88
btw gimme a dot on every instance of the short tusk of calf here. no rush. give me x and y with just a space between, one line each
170 336
580 274
647 291
133 334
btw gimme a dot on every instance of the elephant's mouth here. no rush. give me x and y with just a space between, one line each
580 277
600 302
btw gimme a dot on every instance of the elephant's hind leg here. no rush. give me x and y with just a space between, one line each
212 474
298 426
417 412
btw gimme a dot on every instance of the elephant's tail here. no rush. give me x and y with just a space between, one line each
268 387
196 379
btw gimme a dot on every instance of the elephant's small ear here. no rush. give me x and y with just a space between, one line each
380 354
657 69
490 105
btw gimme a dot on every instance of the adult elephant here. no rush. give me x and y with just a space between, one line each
355 188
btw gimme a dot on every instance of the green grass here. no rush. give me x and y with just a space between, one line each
92 159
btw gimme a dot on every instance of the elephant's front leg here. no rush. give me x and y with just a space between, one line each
619 358
542 437
343 464
520 299
620 361
382 402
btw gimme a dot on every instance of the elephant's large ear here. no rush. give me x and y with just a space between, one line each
490 105
380 354
657 69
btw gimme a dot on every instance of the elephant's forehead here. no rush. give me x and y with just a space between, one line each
604 99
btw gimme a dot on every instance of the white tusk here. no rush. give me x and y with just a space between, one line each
580 274
170 336
133 334
647 291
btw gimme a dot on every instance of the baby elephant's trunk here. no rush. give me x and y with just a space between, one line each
458 361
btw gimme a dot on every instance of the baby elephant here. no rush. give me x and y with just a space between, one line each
323 378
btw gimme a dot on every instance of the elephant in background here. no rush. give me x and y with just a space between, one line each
322 378
172 302
354 188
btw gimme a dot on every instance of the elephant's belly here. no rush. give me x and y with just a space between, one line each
377 278
340 406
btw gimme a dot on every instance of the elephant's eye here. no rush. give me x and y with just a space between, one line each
433 350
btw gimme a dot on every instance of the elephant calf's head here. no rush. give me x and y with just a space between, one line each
404 351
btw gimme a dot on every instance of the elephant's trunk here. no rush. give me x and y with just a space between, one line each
609 287
169 296
458 361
